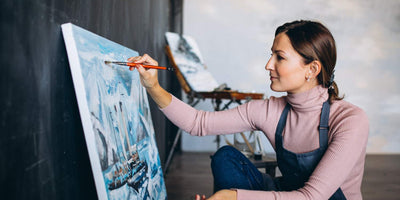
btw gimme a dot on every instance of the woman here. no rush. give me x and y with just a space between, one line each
320 139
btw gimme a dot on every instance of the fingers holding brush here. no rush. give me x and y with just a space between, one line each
198 197
145 59
148 77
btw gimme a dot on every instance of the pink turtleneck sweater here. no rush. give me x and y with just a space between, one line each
341 166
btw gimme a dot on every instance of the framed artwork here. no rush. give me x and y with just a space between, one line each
116 118
187 57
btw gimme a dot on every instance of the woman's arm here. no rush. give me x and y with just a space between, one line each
195 122
201 123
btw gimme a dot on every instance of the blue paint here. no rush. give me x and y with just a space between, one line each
121 120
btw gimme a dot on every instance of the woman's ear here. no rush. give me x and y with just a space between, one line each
315 68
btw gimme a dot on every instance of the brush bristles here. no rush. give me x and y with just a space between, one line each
108 63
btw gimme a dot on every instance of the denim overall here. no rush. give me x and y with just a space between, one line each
297 168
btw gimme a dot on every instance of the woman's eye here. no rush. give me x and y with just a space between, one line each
279 57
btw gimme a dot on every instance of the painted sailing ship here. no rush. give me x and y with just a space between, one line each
130 169
131 172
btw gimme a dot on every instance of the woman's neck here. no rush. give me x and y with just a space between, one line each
306 87
309 99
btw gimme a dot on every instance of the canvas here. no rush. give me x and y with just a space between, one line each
187 57
116 118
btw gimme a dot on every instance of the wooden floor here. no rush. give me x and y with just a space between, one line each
190 173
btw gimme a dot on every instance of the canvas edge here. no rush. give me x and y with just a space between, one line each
77 78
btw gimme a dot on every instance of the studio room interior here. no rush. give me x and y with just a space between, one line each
200 99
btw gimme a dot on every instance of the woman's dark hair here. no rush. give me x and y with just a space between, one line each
313 41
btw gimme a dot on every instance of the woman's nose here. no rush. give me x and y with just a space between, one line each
269 65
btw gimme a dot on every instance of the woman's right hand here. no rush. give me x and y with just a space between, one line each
148 77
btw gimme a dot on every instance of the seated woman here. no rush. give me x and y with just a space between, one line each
320 140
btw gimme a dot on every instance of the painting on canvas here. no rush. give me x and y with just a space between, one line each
115 117
187 57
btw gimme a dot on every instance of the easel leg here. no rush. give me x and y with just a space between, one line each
218 140
217 108
171 152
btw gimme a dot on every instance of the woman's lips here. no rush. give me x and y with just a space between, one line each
272 78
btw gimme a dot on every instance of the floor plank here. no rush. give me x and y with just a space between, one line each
381 177
189 173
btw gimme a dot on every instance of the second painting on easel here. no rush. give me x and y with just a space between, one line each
187 57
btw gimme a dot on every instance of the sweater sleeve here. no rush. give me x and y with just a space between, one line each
346 149
201 123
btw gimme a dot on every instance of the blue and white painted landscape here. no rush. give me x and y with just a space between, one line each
116 118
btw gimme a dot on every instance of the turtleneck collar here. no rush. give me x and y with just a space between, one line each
309 100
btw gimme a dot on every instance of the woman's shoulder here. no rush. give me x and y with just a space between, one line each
346 108
345 114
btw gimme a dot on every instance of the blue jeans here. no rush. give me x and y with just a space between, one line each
231 169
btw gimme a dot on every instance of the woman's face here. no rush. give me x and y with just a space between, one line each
287 70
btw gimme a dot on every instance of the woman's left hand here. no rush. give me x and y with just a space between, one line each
220 195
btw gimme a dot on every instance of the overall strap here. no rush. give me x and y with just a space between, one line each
323 125
281 126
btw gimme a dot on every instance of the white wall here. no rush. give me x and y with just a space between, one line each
235 38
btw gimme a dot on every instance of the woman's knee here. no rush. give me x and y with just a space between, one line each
224 152
223 155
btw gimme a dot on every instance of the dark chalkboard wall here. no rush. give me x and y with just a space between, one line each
42 147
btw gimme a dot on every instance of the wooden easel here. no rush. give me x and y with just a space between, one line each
195 96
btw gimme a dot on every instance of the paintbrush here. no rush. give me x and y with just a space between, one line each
130 64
